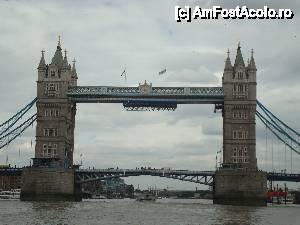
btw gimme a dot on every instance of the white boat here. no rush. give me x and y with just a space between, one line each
98 196
12 194
145 197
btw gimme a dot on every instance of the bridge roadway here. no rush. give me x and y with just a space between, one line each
182 95
200 177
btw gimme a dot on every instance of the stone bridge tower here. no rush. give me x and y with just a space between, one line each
52 173
238 181
55 113
239 85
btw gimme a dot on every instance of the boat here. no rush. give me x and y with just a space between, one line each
98 196
280 197
146 197
12 194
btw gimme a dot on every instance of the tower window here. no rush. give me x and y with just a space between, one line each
52 74
239 134
50 132
239 115
49 150
240 154
240 90
51 112
240 75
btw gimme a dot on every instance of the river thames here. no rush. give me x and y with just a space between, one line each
131 212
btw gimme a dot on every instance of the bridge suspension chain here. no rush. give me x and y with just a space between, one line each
4 127
283 132
280 124
13 134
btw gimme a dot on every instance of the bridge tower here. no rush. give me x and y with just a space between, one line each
238 181
52 173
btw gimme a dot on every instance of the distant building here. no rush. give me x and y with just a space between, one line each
9 179
111 188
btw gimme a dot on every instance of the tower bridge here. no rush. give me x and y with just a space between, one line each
182 95
53 174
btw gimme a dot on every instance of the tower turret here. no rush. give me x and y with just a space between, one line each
65 61
56 114
42 64
239 87
239 61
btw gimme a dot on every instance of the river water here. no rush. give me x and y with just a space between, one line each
131 212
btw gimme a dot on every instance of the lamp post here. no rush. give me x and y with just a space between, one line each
217 159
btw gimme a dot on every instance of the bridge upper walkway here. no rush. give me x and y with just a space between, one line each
182 95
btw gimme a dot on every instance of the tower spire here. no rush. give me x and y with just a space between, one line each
74 61
228 65
58 57
42 63
74 69
239 61
65 63
58 42
252 62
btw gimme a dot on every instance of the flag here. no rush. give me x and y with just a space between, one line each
19 153
162 72
6 159
31 143
124 73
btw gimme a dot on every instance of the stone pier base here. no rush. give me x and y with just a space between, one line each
234 187
46 184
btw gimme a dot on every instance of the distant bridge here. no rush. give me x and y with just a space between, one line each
199 177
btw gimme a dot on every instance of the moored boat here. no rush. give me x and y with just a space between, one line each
146 197
12 194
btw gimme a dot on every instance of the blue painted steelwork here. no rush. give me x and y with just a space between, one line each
143 105
182 95
282 131
13 134
283 177
4 127
11 171
200 177
274 118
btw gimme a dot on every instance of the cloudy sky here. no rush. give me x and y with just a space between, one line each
142 36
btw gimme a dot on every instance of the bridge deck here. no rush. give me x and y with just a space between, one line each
201 177
182 95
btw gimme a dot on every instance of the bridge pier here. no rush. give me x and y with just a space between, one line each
43 184
238 187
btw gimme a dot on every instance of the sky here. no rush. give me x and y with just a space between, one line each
106 37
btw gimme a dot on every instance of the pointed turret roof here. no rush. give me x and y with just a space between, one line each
65 63
74 73
228 65
252 62
42 63
239 61
58 58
